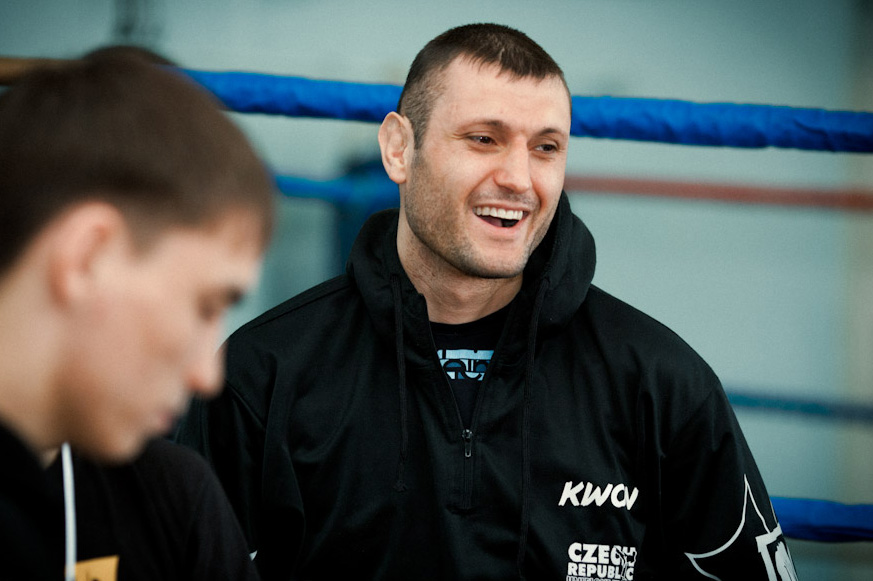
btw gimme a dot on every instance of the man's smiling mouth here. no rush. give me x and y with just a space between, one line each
499 216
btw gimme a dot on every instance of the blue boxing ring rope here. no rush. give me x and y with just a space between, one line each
654 120
659 120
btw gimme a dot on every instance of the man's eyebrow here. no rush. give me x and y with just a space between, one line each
472 124
503 126
233 295
554 131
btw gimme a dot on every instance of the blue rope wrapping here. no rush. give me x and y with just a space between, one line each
299 97
826 409
823 520
722 124
658 120
374 190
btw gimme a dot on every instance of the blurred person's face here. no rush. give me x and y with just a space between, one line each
482 188
148 336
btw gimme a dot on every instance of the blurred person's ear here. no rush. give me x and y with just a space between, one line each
84 243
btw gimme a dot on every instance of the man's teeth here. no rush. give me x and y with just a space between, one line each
500 213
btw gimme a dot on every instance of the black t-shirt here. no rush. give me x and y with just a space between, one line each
31 519
465 351
163 516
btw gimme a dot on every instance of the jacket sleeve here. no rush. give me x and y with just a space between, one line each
718 515
214 546
225 432
250 454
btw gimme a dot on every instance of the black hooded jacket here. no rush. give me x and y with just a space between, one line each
601 445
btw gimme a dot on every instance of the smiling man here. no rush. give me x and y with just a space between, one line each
463 403
478 194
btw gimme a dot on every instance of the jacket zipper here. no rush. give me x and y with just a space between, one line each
467 497
467 436
467 439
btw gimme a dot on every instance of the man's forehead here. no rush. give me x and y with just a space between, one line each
475 87
468 63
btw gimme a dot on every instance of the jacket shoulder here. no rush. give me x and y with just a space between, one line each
618 322
648 353
287 336
310 331
308 299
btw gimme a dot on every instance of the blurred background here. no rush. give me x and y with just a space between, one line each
776 298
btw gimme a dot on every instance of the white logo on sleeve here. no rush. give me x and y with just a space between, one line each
771 545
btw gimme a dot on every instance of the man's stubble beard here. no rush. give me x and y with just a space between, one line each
441 236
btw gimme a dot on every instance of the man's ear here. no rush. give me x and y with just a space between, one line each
396 141
83 242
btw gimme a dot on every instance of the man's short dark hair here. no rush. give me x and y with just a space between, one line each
128 51
512 51
124 131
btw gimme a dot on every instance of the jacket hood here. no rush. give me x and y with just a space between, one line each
564 261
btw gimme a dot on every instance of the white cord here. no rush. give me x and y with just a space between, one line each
69 514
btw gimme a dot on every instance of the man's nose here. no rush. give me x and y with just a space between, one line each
206 372
513 172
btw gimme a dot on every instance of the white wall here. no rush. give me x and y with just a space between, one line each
761 292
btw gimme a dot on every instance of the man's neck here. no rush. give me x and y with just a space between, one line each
25 404
26 374
455 297
456 302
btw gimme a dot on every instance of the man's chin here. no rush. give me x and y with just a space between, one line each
494 271
116 450
490 265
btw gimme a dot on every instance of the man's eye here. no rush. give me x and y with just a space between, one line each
548 147
210 312
483 139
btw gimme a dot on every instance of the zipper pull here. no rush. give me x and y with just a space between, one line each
467 436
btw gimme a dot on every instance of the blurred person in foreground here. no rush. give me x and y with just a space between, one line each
133 213
463 403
